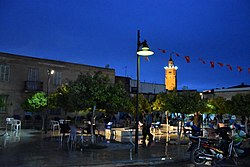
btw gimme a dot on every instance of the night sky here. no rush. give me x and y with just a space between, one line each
104 32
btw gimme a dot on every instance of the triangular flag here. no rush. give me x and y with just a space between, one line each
239 68
177 54
221 64
187 59
203 62
212 64
162 50
147 59
230 67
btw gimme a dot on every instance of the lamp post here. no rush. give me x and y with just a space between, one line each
49 73
143 52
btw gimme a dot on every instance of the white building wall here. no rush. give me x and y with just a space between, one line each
148 87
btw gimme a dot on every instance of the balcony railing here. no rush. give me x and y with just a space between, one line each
33 86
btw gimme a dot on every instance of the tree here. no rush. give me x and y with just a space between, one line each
88 91
92 92
143 105
179 103
36 103
217 106
60 99
240 105
117 99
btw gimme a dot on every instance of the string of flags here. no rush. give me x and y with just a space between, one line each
212 63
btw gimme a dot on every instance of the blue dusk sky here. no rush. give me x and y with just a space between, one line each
104 32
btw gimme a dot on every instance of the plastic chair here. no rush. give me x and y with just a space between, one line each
156 126
16 124
54 125
9 121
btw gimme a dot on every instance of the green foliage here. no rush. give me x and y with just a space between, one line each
88 91
91 90
60 98
159 103
117 99
36 102
143 104
240 105
174 102
217 106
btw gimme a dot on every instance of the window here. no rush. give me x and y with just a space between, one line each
57 76
33 74
4 72
3 102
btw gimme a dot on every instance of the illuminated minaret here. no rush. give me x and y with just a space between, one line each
170 75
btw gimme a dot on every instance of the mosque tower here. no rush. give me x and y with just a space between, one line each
170 75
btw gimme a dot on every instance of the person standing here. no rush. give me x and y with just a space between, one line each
147 125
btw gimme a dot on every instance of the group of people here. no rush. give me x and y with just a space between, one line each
68 128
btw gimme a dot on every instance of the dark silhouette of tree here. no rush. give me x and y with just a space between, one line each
240 105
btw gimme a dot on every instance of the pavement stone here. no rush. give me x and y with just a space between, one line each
33 148
29 148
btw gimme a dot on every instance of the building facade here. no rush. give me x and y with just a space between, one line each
227 93
149 90
171 75
22 75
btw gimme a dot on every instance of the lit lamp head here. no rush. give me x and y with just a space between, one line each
49 71
145 51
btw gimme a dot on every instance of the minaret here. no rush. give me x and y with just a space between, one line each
170 75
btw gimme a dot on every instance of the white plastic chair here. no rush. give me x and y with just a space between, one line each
9 121
54 125
16 124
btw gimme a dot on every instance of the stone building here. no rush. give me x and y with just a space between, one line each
22 75
149 90
226 93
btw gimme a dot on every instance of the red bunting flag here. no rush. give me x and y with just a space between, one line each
239 68
146 58
162 50
212 64
221 64
203 62
187 59
230 67
176 54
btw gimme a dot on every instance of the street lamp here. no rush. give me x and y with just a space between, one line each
49 73
145 51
